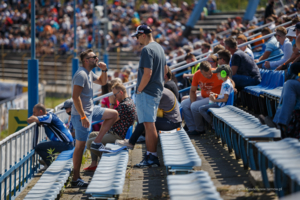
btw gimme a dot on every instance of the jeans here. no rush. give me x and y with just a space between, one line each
242 81
290 92
42 149
203 111
161 124
146 107
192 117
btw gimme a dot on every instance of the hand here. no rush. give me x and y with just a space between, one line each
85 123
102 66
212 97
235 91
267 64
184 75
112 99
278 68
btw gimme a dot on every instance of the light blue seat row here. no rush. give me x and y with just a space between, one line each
284 156
178 151
193 186
109 177
236 128
53 179
272 96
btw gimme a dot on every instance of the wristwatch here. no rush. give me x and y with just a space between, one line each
138 92
104 70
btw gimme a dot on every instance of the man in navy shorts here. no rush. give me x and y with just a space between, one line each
149 86
82 111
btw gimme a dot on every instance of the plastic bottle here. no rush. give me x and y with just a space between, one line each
211 102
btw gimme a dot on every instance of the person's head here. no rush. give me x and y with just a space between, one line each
168 75
240 40
295 20
213 35
205 47
180 52
291 35
223 57
223 72
213 60
281 34
112 82
39 110
218 47
89 59
68 106
190 58
119 91
297 29
266 31
269 19
143 34
205 69
231 45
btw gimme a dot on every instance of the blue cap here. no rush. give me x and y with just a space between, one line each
67 104
142 29
297 26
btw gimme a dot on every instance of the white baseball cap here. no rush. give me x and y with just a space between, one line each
291 32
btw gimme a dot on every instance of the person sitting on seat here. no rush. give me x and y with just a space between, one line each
56 131
126 116
286 47
244 70
242 39
218 100
167 119
272 47
170 84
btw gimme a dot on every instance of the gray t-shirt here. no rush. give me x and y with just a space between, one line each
84 79
152 57
246 65
166 103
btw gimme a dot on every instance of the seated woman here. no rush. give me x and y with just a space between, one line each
170 120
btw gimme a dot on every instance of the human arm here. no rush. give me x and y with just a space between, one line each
102 80
188 75
264 56
193 95
33 119
213 98
234 69
294 58
288 51
112 101
78 105
145 79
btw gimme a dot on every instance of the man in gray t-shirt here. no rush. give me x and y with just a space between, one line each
82 108
149 89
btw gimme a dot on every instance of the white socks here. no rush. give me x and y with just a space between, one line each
153 153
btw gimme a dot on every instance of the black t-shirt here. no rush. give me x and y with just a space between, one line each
246 65
171 85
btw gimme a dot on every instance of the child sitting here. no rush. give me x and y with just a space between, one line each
221 99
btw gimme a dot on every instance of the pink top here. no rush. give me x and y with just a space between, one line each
105 101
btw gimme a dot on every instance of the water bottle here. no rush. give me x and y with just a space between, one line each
211 102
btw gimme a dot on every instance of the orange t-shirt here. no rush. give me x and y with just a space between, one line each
258 42
207 85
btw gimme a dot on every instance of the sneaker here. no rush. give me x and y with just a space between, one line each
43 169
141 139
125 143
90 169
149 161
79 183
99 147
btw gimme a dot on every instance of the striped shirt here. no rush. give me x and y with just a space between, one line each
55 129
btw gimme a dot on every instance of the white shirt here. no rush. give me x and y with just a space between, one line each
287 49
249 52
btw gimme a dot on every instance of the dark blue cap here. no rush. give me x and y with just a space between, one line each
142 29
297 26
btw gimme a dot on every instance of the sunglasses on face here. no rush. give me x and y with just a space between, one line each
92 57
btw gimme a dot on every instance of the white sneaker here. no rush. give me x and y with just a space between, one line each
125 143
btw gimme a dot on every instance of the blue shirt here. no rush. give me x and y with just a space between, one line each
272 45
55 129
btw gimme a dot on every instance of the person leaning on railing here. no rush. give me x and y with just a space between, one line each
56 131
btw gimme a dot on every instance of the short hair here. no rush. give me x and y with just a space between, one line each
213 33
282 30
270 19
231 43
218 48
119 86
206 45
189 56
242 37
169 73
41 107
214 57
266 31
295 20
84 54
225 55
205 66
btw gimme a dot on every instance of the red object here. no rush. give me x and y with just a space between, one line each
90 169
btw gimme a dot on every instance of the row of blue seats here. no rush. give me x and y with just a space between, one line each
283 157
238 129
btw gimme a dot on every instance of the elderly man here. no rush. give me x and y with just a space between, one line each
58 134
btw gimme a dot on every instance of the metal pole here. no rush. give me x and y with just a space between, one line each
105 57
93 27
33 68
75 61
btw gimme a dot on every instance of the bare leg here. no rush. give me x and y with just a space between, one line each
151 136
110 116
77 157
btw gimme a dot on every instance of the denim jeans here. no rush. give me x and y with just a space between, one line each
242 81
161 124
290 92
42 149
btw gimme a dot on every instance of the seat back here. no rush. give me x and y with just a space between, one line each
230 100
129 133
180 108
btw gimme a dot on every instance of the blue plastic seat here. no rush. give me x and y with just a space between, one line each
129 133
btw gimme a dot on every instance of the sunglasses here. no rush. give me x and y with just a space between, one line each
116 94
92 57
